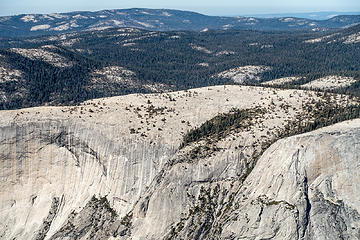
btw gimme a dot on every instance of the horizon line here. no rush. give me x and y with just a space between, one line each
185 10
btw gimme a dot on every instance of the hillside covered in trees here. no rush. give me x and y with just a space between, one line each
26 25
70 68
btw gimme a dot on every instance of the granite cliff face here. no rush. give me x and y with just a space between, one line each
303 187
60 166
112 169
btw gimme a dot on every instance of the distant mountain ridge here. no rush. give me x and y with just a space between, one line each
74 67
156 20
308 15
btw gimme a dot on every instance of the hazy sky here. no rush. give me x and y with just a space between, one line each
211 7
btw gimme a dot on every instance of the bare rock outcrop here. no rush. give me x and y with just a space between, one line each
303 187
113 169
50 169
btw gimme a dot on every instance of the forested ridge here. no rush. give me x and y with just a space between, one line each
26 25
174 60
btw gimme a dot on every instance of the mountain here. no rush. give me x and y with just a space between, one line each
308 15
218 162
155 20
70 68
129 133
347 36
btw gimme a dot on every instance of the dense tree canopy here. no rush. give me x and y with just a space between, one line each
177 60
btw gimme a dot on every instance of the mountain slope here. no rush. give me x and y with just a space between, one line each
121 155
70 68
309 15
302 187
155 20
295 191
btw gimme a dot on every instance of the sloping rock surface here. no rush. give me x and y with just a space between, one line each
88 172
